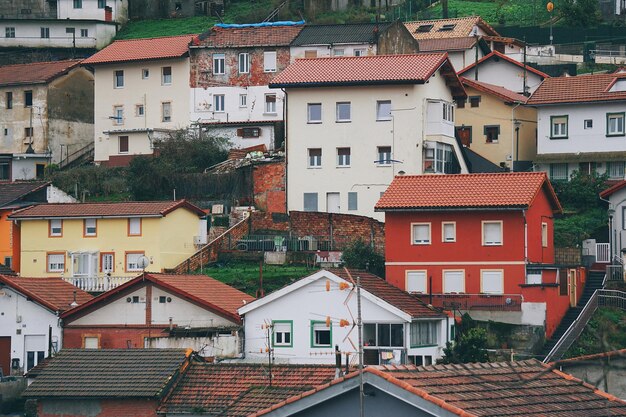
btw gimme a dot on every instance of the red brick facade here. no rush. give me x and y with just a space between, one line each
109 337
97 408
269 187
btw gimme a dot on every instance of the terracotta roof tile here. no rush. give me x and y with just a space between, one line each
337 34
446 44
242 37
462 28
142 49
490 190
231 390
35 73
53 293
495 55
122 209
580 89
613 189
360 70
11 191
496 90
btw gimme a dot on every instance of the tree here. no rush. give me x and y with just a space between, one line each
579 13
361 255
470 347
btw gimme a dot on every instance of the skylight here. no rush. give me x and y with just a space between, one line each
424 28
447 27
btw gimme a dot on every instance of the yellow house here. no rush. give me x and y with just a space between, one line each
494 122
105 242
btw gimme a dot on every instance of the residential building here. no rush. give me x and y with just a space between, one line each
616 196
168 9
499 69
141 95
580 125
30 329
355 122
494 123
231 67
97 246
60 24
351 39
479 242
36 118
305 322
111 382
17 195
161 311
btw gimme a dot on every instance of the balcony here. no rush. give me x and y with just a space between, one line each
476 302
98 283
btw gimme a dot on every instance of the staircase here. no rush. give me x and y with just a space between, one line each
80 157
594 282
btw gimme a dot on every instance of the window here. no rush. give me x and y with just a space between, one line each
270 103
615 124
615 170
447 27
5 170
314 113
8 261
118 115
448 112
134 226
420 233
56 262
9 32
343 157
416 282
243 100
249 132
269 61
118 79
321 336
492 133
70 30
28 98
78 4
353 203
45 33
424 333
166 112
588 123
453 282
533 276
460 103
343 112
474 101
383 335
244 63
310 201
315 157
491 282
102 4
218 63
9 99
145 74
132 261
123 144
448 232
282 332
558 171
107 262
166 75
424 28
139 110
384 155
440 157
359 52
310 54
55 228
28 132
492 233
558 127
383 110
90 227
588 168
84 33
338 52
91 342
218 103
544 235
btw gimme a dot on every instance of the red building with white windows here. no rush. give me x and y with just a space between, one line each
481 243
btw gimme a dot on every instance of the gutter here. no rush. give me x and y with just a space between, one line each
427 209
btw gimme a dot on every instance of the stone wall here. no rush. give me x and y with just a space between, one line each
269 187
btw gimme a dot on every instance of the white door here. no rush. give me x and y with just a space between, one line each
332 203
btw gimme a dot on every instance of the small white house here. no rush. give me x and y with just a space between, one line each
306 321
30 328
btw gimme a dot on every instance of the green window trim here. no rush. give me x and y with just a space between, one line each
313 345
566 127
423 346
290 322
623 133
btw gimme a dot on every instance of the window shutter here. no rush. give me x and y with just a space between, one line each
453 282
492 233
492 282
240 133
416 281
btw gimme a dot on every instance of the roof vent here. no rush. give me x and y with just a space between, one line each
424 28
447 27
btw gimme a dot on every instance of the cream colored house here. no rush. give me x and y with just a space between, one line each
141 95
353 123
495 123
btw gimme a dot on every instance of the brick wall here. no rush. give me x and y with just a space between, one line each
97 408
269 187
110 337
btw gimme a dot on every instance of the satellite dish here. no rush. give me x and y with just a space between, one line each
143 262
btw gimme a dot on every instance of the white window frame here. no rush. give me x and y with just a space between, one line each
118 78
491 273
243 63
270 106
421 242
613 129
166 111
164 77
108 262
134 226
283 328
544 234
588 123
309 117
219 64
145 73
380 107
219 103
359 52
339 118
84 33
384 158
343 161
443 232
140 110
53 259
132 261
269 57
491 222
558 126
243 100
444 281
91 227
338 52
419 284
56 224
118 115
314 161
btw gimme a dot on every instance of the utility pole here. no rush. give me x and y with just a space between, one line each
360 328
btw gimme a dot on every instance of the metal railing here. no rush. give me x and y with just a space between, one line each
603 253
86 150
284 243
98 283
476 302
615 273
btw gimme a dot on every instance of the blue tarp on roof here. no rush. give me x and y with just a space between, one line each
259 25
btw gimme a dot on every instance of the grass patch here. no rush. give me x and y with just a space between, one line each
606 331
165 27
512 12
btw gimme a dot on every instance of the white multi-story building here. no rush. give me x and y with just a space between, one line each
353 123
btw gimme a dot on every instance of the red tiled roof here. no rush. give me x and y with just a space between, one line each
11 191
497 55
504 39
123 209
513 389
53 293
505 94
381 69
493 190
613 189
218 37
35 73
446 44
402 300
580 89
231 390
463 28
201 289
142 49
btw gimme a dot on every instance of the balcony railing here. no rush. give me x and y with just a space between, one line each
99 283
476 302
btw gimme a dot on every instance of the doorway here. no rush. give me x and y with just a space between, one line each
332 203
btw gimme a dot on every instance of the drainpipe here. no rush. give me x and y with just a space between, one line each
513 136
611 212
525 244
285 144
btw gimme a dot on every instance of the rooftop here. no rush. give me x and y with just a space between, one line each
340 34
445 44
35 73
580 89
142 49
613 189
504 94
497 56
12 191
448 28
53 293
248 36
488 190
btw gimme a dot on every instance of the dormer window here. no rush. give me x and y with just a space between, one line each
424 28
447 27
